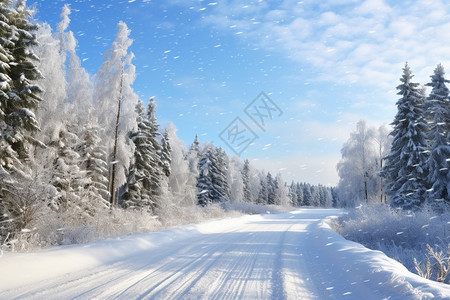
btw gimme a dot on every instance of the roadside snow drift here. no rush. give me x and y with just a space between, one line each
286 256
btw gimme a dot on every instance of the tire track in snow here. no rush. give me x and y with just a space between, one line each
242 271
263 257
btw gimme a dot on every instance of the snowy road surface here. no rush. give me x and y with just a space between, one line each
286 256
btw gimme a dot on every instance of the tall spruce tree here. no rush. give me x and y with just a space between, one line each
438 117
299 194
19 95
165 152
293 194
93 161
141 182
246 181
205 193
307 195
263 195
219 176
405 169
212 185
155 162
271 187
19 98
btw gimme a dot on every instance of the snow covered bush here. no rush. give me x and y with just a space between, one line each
409 237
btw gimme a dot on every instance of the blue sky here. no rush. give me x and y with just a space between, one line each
326 64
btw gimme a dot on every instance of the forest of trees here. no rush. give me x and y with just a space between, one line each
76 146
410 165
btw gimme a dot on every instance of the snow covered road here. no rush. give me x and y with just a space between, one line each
286 256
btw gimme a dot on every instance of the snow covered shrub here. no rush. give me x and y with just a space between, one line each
24 206
403 235
436 260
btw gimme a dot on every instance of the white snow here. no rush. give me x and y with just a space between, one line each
292 255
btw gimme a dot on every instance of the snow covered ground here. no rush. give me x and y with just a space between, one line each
292 255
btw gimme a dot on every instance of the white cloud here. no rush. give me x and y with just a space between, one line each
352 42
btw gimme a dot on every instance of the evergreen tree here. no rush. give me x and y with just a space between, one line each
155 163
19 95
143 177
299 191
212 185
195 147
314 196
246 181
293 193
438 114
271 187
205 194
307 195
219 177
93 162
67 177
263 197
335 199
19 98
405 170
165 152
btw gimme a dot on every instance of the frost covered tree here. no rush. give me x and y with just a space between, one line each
314 195
221 180
50 113
254 184
114 97
234 177
67 177
271 187
357 169
281 192
307 195
405 169
299 192
19 93
155 174
246 181
165 153
205 194
144 177
19 99
438 115
293 193
193 156
93 161
263 196
212 185
182 184
382 141
80 87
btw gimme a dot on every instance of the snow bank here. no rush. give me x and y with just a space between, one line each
374 267
18 269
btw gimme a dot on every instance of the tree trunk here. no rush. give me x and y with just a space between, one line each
112 185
